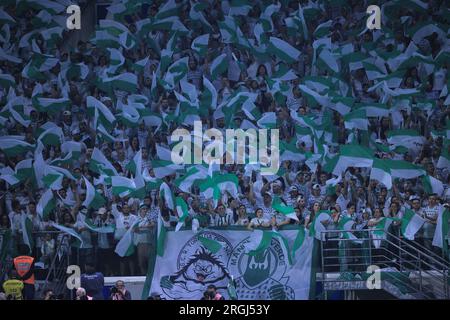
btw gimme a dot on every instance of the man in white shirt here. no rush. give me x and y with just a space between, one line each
124 220
430 213
266 206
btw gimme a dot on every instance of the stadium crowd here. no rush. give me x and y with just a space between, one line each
363 119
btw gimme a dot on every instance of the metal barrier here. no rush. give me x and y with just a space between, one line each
417 271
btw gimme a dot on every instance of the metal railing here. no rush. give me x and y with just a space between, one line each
409 269
56 276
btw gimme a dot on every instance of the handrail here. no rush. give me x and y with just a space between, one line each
398 253
52 267
442 263
422 248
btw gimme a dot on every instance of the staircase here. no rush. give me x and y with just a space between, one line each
406 270
56 277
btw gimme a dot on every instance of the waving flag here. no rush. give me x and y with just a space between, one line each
200 44
283 50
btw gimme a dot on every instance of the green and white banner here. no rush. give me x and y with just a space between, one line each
281 270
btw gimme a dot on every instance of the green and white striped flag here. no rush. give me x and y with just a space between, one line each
182 211
285 210
53 7
122 186
9 176
69 231
125 82
209 95
129 116
99 164
135 166
140 65
127 40
289 151
356 120
193 174
43 62
268 120
432 185
75 70
105 116
353 156
46 204
373 71
163 168
323 30
239 7
380 231
13 146
219 66
111 228
116 60
440 235
93 198
317 226
53 176
200 44
52 35
214 187
196 13
327 61
104 135
381 173
42 19
16 109
313 97
112 27
24 169
266 17
53 136
444 159
404 169
7 80
125 247
73 148
283 50
284 73
346 223
160 237
176 72
31 72
167 194
167 9
104 39
354 60
411 223
50 105
343 105
374 109
405 137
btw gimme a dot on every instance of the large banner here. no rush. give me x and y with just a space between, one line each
188 267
